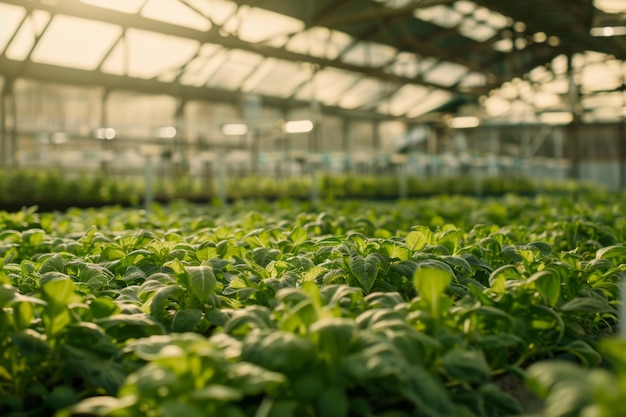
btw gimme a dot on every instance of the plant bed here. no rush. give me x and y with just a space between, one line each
418 308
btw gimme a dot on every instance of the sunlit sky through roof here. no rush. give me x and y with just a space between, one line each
67 41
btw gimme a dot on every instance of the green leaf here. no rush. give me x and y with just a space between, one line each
465 365
588 305
609 252
418 239
430 284
57 290
333 337
30 344
584 352
549 285
298 235
159 303
53 263
186 320
365 270
202 281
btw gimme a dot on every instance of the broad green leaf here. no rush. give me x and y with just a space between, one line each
549 285
365 269
253 380
298 235
159 302
465 365
7 294
430 284
57 289
53 263
263 256
30 344
617 252
333 337
217 392
202 281
418 239
186 320
588 305
584 352
24 313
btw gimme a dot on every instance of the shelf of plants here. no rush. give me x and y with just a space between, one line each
447 306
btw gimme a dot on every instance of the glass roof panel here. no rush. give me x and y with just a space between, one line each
496 106
175 12
319 42
464 6
473 79
281 79
556 86
24 41
328 86
440 15
478 32
613 99
198 71
74 42
252 24
445 74
403 100
543 100
126 6
141 54
601 76
217 10
369 54
10 18
237 67
365 91
433 100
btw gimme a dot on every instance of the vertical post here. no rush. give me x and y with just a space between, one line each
149 197
8 125
314 184
3 127
347 144
402 180
221 182
572 129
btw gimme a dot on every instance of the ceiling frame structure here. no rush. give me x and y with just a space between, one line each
372 21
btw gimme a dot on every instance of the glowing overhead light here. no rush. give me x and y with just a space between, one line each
106 133
59 137
608 31
298 126
464 122
166 132
234 129
556 118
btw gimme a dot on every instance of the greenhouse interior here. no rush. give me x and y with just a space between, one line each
316 208
210 89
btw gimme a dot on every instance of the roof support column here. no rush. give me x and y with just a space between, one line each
8 125
573 128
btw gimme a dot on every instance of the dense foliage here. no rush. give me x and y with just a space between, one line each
57 190
417 308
